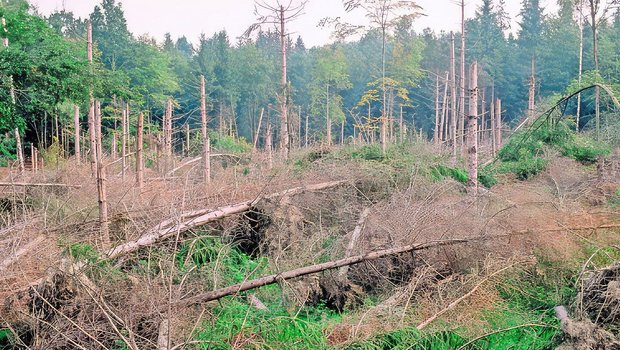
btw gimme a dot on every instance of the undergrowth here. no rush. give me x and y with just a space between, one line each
524 154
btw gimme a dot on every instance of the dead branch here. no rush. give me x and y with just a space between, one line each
307 270
459 300
165 229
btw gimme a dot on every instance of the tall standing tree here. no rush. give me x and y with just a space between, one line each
383 15
280 15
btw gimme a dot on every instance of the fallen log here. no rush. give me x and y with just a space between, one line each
21 251
357 232
307 270
25 184
171 227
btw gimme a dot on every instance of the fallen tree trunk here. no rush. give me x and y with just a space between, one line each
168 228
357 232
307 270
25 184
21 251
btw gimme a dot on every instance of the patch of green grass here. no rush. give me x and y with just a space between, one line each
5 339
83 252
238 323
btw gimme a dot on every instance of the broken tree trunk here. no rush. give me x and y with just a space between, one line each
8 261
531 96
462 100
139 156
263 281
472 122
101 181
170 227
206 164
20 151
260 121
284 137
355 236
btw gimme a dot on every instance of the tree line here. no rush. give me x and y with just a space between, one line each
380 83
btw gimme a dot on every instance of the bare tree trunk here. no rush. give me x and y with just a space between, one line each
91 103
436 133
299 130
206 147
342 132
20 152
473 128
139 156
493 125
256 137
580 23
531 96
594 7
187 140
269 147
498 124
101 181
32 161
284 137
454 109
306 131
123 141
444 110
401 130
114 150
35 160
483 118
462 102
329 119
76 127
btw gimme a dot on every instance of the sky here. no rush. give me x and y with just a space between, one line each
193 17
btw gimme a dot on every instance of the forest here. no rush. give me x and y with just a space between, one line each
392 189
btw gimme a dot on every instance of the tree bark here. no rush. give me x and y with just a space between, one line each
329 119
139 155
284 137
269 146
436 133
580 23
206 163
594 6
124 141
454 109
531 96
498 124
462 102
76 130
260 121
101 181
472 151
444 110
20 152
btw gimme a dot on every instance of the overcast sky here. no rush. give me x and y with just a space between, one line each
193 17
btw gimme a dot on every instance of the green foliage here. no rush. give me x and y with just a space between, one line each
229 144
524 153
5 339
368 152
440 172
83 252
524 168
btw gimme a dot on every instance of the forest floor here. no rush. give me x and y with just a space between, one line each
530 247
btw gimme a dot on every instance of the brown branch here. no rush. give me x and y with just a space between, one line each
459 300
